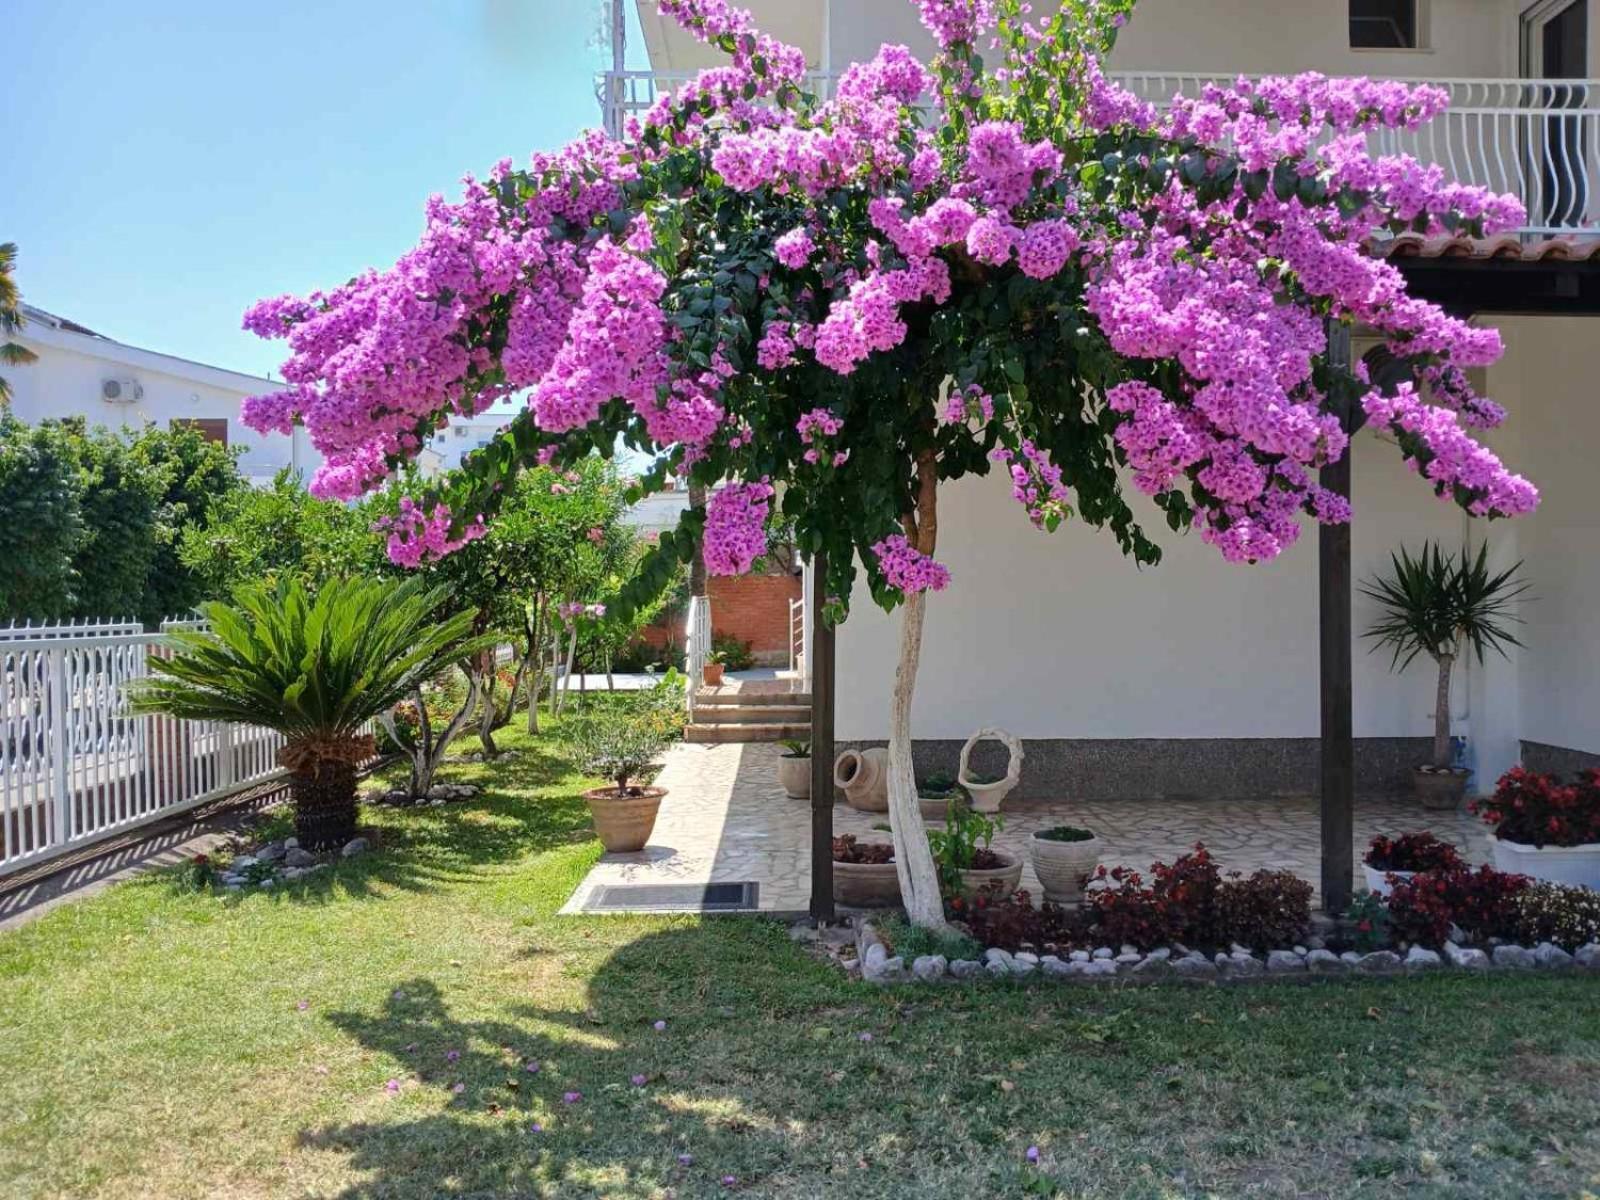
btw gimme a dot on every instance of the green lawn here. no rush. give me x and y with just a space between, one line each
157 1043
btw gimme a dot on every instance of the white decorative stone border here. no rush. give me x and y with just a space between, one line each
876 965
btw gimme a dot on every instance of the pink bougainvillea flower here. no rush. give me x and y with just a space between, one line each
302 1005
571 1097
1032 1154
532 1068
865 1036
458 1088
392 1086
686 1160
660 1027
451 1056
536 1128
639 1081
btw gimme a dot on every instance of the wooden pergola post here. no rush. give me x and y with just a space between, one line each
1333 608
820 668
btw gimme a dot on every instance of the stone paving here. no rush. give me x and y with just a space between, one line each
725 819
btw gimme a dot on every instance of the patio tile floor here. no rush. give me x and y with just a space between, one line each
725 819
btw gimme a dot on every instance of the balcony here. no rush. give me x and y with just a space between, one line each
1538 139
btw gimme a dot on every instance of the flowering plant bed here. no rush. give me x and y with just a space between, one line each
864 873
1403 856
1545 828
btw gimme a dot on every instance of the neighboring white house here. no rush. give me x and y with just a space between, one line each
1197 677
81 373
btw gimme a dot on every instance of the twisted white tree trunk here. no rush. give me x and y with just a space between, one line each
919 878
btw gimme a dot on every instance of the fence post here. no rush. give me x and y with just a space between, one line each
61 732
227 774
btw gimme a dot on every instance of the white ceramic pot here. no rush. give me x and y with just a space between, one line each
1578 865
794 774
1062 867
1378 881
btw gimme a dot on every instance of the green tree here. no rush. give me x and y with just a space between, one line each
121 495
40 492
315 670
12 354
197 474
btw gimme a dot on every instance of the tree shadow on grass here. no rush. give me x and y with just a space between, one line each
616 1107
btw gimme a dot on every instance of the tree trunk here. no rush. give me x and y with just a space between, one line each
566 679
919 877
536 659
324 804
611 684
487 709
1441 712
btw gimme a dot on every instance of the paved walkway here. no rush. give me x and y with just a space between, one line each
725 819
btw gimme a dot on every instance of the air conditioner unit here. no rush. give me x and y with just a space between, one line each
121 391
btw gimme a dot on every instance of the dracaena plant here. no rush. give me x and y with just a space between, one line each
1001 260
1441 605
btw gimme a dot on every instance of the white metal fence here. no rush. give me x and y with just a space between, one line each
1538 139
77 767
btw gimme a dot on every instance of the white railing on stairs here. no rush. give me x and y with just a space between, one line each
697 646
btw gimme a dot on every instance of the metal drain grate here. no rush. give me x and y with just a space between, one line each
674 897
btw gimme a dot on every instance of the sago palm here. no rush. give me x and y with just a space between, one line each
1441 604
314 670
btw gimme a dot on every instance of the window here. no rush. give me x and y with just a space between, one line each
1383 24
213 429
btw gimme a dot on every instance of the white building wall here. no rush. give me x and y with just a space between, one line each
66 382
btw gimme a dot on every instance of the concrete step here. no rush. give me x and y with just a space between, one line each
759 714
753 699
746 733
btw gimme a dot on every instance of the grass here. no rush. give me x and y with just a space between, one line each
153 1043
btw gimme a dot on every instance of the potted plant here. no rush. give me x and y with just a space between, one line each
967 864
864 874
711 672
1063 858
986 792
1545 828
1395 860
794 769
1440 605
314 670
622 745
937 793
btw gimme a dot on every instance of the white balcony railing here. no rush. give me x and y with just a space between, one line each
1538 139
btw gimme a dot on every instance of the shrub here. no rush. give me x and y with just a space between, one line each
731 652
1012 923
847 850
1556 912
1539 810
940 785
1422 908
622 745
1412 852
1266 911
912 941
963 845
1369 919
1122 909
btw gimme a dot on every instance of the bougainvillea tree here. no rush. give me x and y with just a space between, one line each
1001 260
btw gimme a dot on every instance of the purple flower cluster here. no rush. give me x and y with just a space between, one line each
736 527
906 568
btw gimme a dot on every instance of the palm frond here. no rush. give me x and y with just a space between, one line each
1437 604
314 670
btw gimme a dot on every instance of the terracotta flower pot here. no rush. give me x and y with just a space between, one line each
711 674
863 776
794 773
623 823
1440 791
866 885
1063 866
1009 875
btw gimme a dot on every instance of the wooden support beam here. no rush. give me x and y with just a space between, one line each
1338 737
820 668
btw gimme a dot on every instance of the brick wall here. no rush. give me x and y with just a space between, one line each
752 608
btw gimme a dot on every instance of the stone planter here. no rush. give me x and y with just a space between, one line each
711 674
1578 865
1378 882
1440 791
863 776
866 885
1062 867
987 797
624 822
794 773
1008 876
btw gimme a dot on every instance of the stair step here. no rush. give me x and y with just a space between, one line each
746 733
754 699
764 714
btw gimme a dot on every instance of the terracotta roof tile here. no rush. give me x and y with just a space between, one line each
1506 247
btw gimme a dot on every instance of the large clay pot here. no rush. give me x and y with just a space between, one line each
866 885
863 775
794 773
1063 866
624 822
1440 791
1008 875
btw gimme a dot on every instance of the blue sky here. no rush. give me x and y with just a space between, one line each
168 163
